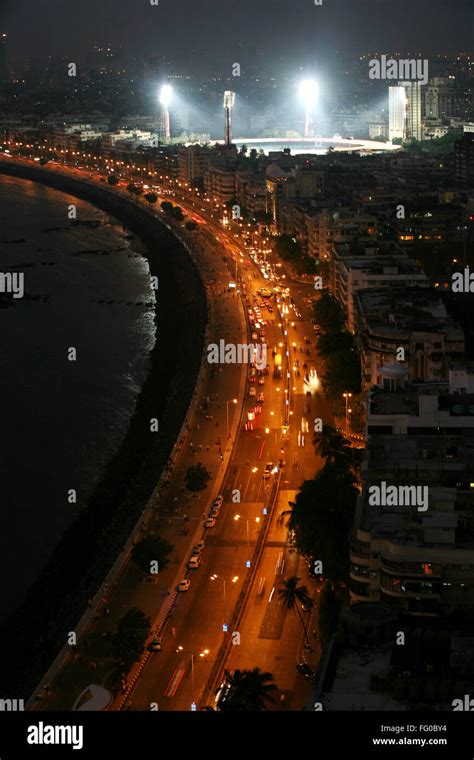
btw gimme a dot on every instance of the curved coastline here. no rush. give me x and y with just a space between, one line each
90 546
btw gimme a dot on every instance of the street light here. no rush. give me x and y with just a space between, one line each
231 401
239 517
234 579
203 653
347 396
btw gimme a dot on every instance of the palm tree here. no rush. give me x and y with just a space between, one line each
246 690
290 595
331 445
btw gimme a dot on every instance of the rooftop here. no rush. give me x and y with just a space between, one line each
351 687
413 400
394 310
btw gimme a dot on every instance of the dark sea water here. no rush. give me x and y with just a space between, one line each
62 421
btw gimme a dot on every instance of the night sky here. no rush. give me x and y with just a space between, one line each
290 28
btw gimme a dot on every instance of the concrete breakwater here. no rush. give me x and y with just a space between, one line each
88 548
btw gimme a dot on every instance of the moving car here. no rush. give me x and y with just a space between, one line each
268 470
252 391
222 692
218 501
184 585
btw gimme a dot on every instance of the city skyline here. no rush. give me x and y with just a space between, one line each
237 307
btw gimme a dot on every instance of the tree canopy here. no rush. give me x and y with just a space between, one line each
132 632
197 477
247 690
152 549
322 519
327 313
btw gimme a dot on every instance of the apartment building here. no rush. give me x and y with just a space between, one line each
421 563
220 180
327 227
193 161
405 329
366 263
250 187
298 182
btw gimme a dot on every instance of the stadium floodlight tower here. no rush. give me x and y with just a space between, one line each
229 102
309 94
165 99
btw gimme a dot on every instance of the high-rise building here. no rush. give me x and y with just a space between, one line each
396 113
446 98
439 98
413 110
464 159
3 60
404 103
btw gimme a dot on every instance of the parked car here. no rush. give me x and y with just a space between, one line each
194 562
184 585
156 644
210 522
218 501
252 391
305 670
